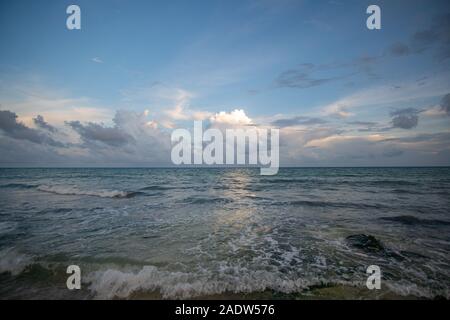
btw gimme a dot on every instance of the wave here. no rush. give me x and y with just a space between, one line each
157 188
112 283
203 200
14 262
106 280
334 181
7 226
392 183
404 191
151 281
17 186
328 204
411 220
70 190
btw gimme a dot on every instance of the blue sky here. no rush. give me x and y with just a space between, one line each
276 60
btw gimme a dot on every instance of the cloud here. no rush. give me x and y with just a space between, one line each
132 140
306 75
296 121
174 101
363 123
436 37
299 79
370 126
434 111
338 109
424 137
113 136
360 150
399 49
235 117
53 105
387 96
135 140
17 130
180 112
405 118
40 122
439 110
334 147
97 60
445 104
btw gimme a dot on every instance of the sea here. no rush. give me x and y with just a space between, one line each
225 233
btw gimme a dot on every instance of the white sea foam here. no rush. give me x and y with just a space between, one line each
111 283
71 190
13 261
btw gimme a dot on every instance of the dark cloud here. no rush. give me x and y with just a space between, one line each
17 130
307 75
441 138
113 136
422 40
362 123
40 122
445 103
438 36
295 121
369 126
405 118
299 78
399 49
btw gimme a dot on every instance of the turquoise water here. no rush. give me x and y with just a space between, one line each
189 233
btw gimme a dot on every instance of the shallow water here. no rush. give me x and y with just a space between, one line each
196 233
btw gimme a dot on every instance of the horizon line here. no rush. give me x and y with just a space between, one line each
222 167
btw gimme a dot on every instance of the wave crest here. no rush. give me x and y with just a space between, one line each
111 283
70 190
13 261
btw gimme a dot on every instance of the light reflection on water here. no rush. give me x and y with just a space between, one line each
197 232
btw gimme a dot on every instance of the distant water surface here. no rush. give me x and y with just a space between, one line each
196 233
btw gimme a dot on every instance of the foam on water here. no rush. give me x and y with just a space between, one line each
112 283
115 283
14 262
197 233
71 190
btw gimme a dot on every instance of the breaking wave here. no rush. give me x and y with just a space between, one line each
113 283
70 190
109 281
14 262
17 186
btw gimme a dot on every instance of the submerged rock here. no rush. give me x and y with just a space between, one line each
364 242
372 245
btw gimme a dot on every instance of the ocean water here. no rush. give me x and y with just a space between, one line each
224 233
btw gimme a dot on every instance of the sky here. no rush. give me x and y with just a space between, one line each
110 93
